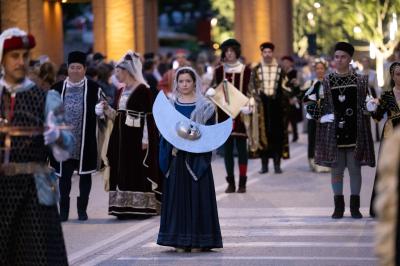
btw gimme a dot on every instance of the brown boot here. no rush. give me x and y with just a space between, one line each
231 184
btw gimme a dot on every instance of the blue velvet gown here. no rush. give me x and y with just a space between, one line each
189 215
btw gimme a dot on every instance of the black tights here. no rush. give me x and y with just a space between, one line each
242 154
85 180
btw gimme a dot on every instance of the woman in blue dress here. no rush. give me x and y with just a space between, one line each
189 215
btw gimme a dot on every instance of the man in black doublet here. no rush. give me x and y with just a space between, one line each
344 96
272 98
343 138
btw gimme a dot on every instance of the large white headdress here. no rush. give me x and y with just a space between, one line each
131 63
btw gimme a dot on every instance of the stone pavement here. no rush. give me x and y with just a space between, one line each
281 220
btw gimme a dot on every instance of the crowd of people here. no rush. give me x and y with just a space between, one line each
89 115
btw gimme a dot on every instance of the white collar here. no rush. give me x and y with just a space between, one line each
25 85
233 68
75 84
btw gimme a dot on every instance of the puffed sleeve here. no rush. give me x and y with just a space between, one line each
62 148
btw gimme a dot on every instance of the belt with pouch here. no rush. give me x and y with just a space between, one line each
12 169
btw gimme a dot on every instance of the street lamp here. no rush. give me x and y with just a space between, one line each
357 30
214 22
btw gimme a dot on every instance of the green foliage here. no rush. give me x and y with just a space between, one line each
336 20
224 12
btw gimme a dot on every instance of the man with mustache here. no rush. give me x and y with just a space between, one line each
30 230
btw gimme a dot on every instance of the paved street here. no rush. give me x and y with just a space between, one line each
281 220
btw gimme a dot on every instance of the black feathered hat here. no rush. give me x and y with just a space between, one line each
77 57
345 47
266 45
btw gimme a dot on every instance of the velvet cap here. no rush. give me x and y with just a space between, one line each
345 47
77 57
230 43
15 38
266 45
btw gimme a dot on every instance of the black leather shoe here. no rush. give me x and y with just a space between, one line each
263 171
278 169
